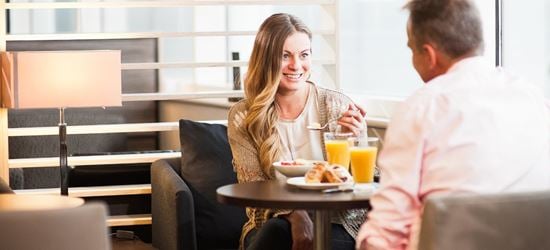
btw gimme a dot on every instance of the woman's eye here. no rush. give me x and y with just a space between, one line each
286 56
305 55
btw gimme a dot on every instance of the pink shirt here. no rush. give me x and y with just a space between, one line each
474 129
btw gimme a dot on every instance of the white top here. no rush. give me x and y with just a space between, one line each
298 141
474 129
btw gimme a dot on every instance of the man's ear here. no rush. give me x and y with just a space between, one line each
431 55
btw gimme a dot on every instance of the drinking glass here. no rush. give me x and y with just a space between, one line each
335 109
337 146
363 159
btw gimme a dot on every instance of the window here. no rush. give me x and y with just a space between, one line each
526 40
199 58
375 59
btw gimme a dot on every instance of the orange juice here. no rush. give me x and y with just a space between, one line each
363 160
338 152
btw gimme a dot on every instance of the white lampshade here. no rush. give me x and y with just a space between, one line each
61 79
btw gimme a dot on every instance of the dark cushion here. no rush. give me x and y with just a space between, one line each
206 165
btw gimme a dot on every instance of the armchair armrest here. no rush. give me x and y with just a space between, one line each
172 207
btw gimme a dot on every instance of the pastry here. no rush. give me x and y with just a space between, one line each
331 176
315 174
341 172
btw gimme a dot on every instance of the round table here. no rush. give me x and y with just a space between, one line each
277 194
13 202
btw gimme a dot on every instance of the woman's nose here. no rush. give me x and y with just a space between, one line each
295 63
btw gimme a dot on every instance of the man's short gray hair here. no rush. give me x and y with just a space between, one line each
453 26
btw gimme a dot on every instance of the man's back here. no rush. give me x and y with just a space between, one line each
485 131
470 129
473 130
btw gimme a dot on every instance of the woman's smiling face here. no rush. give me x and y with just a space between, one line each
296 62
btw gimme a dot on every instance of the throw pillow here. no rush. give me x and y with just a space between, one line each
207 165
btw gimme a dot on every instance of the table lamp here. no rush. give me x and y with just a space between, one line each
61 79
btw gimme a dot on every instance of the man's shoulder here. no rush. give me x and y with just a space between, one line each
423 94
423 106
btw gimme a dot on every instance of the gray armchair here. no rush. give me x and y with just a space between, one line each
172 207
490 221
185 212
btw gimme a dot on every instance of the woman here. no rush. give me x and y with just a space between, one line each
271 125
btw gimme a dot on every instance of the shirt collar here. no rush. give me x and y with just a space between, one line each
475 62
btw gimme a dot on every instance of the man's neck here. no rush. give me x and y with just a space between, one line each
452 61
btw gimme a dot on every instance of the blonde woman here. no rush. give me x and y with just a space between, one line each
270 125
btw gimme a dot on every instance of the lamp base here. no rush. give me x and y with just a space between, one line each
63 168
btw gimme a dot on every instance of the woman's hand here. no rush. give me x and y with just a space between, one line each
302 230
353 119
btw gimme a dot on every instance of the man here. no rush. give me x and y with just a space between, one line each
471 129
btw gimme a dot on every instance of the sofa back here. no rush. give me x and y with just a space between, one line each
488 221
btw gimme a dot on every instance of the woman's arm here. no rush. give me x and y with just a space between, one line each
352 116
353 119
301 228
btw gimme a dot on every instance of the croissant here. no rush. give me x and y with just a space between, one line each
331 176
315 174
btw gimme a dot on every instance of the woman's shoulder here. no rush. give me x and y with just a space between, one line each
237 114
239 106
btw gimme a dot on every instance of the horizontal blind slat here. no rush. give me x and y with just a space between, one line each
137 35
96 129
137 127
113 190
134 97
169 65
92 160
158 4
103 128
129 220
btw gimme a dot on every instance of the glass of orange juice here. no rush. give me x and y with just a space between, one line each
337 146
363 159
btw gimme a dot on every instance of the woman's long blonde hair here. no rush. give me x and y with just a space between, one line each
262 82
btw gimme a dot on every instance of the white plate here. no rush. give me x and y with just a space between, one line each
301 183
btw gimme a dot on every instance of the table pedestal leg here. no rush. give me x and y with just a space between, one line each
322 228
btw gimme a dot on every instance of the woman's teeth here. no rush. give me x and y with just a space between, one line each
293 76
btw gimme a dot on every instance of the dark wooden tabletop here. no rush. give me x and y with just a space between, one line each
278 194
